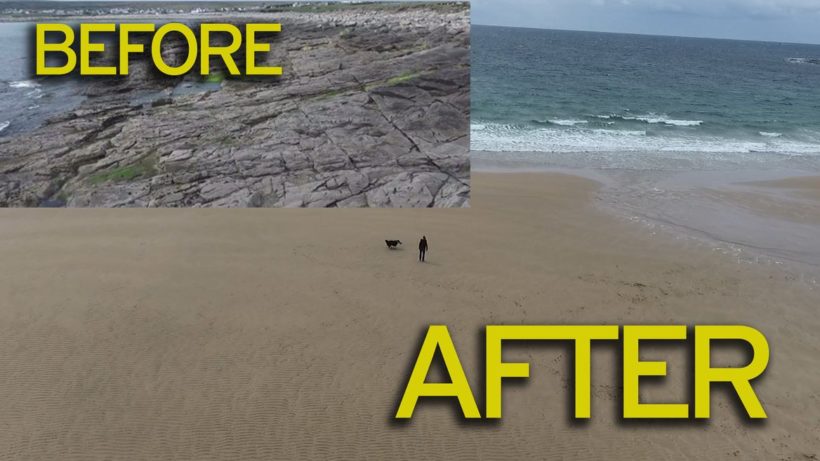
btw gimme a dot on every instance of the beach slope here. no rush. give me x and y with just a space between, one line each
239 334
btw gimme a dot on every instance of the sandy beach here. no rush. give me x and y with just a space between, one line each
288 334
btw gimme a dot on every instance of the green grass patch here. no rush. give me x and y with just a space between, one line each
393 81
406 77
62 196
142 169
216 77
329 94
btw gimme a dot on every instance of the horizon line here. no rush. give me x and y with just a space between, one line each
649 35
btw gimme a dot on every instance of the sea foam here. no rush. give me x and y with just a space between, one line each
520 138
650 118
568 122
24 84
803 60
663 119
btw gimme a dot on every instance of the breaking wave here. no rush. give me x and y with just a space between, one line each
519 138
652 119
568 122
24 84
803 60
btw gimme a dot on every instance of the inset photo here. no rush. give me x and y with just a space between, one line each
368 107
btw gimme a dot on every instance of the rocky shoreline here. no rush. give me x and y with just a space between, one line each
372 111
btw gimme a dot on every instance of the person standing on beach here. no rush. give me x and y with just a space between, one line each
422 247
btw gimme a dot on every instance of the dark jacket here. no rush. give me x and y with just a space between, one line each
423 244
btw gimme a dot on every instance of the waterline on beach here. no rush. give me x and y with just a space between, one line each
736 212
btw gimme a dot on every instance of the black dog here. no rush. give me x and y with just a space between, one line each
392 244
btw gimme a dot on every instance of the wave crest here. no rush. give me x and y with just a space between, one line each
662 119
24 84
568 122
803 61
518 138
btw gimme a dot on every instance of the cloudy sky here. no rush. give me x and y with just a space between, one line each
769 20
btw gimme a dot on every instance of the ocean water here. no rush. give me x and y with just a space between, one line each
26 101
585 99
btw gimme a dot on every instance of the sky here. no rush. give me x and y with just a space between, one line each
767 20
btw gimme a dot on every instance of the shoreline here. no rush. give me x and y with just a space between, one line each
221 334
757 216
333 12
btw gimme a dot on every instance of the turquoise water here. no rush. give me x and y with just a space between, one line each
595 99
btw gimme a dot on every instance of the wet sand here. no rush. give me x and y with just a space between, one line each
757 214
803 186
252 334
